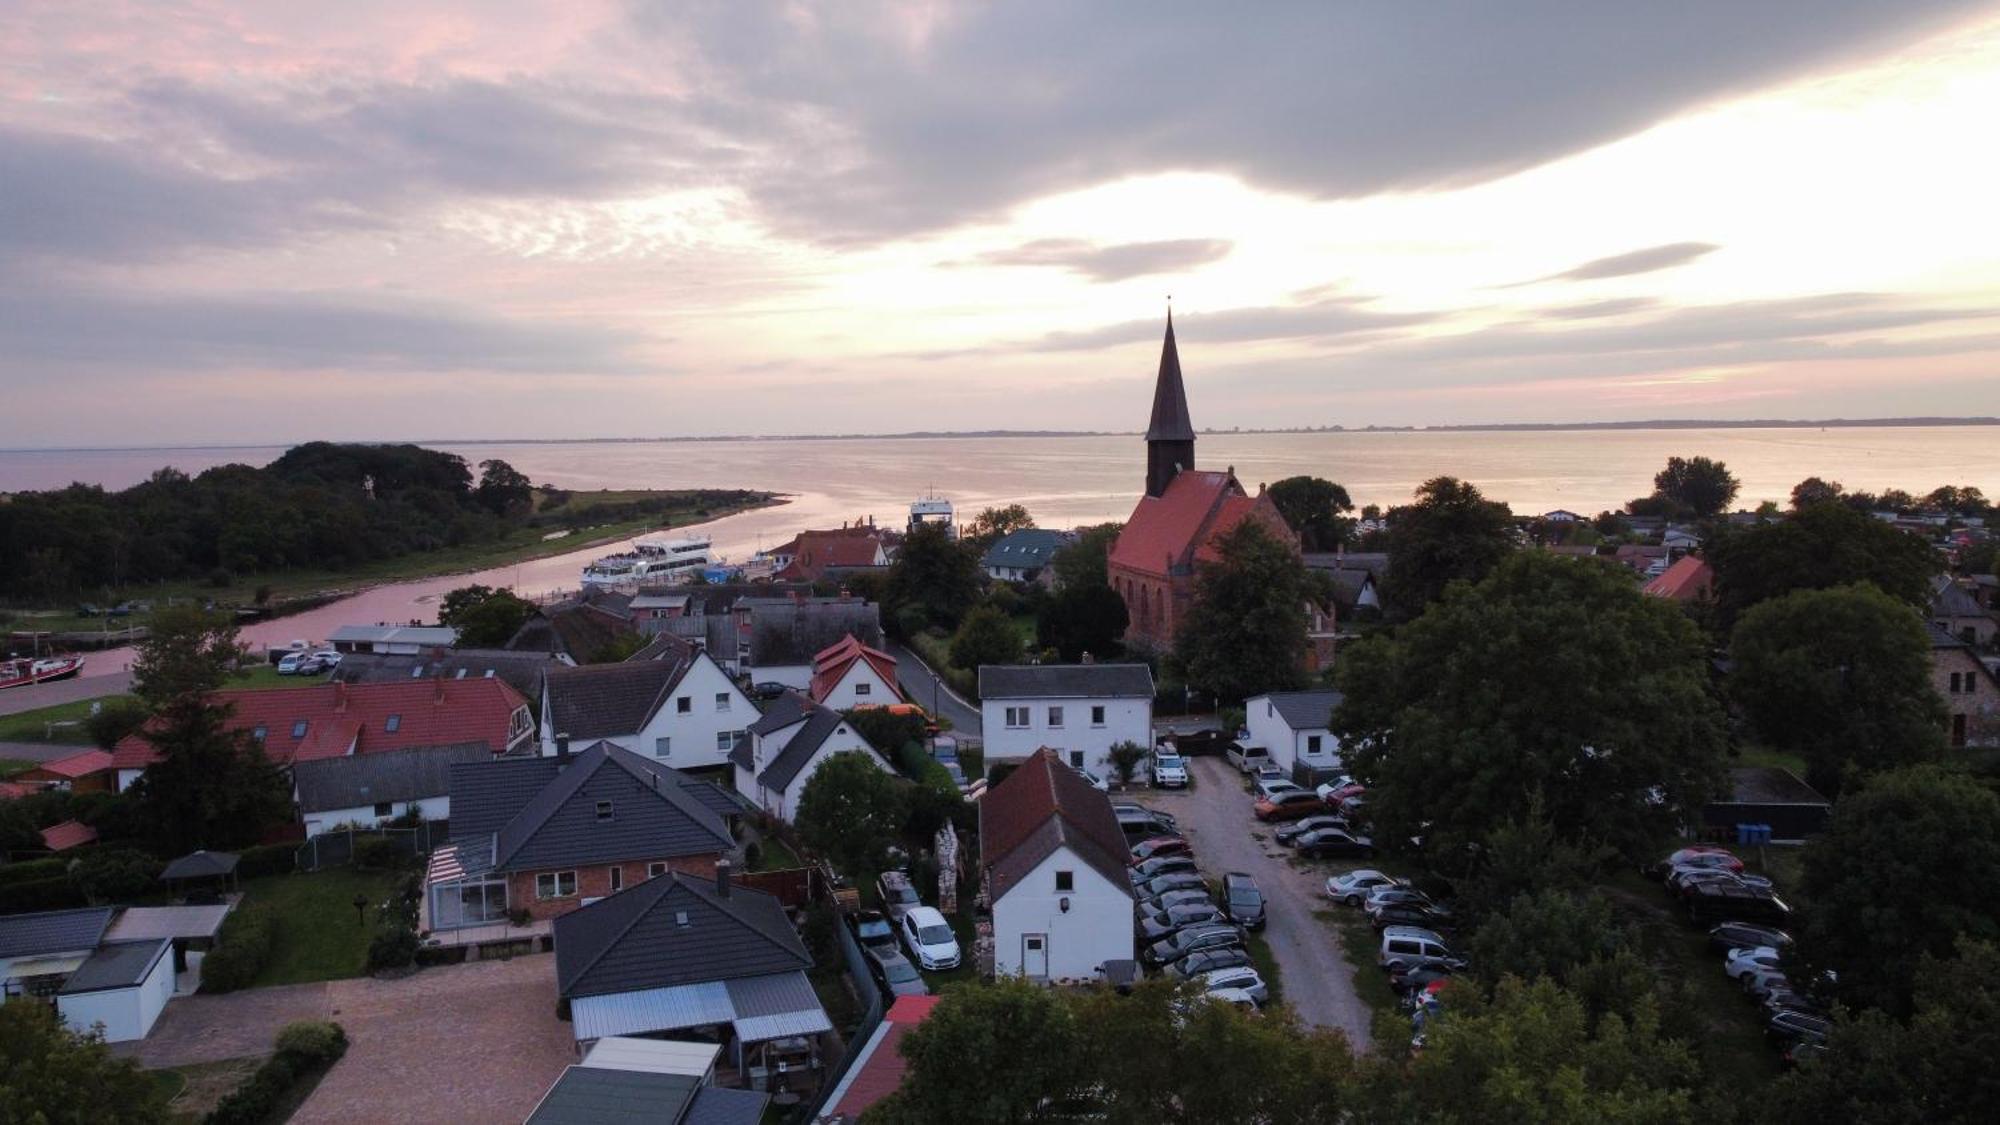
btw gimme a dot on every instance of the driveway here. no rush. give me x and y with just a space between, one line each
233 1025
36 696
1215 817
928 691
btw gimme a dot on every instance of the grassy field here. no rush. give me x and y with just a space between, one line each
40 725
11 766
1764 756
318 935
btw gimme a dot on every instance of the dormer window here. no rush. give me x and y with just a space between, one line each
394 724
604 810
258 733
299 729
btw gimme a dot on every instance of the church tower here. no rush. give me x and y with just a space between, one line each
1170 436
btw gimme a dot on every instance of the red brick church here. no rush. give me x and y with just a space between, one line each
1152 562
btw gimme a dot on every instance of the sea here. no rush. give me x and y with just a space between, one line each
1067 481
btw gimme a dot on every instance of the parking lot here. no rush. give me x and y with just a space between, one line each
1215 817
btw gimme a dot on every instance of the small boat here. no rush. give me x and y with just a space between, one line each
21 672
656 561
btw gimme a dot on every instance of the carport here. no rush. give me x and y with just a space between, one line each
749 1015
192 929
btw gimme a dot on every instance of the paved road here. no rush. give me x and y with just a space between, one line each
38 751
15 700
923 689
1216 819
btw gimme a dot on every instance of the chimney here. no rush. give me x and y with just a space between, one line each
722 878
846 594
1089 658
562 746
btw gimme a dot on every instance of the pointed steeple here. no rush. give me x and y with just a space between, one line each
1170 434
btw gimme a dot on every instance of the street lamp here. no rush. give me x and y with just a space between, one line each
361 909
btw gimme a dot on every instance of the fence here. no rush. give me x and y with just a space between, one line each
866 989
335 848
792 886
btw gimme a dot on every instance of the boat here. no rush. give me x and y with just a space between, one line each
22 671
654 561
933 509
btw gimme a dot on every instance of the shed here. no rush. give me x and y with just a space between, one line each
1773 796
123 987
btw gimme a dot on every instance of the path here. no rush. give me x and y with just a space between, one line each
233 1025
927 690
35 696
1215 817
39 751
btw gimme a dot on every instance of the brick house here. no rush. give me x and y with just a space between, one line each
1969 688
1957 611
547 835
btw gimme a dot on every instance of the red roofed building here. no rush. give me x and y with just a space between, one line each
87 772
69 834
878 1070
849 674
815 553
1690 579
337 719
1174 527
9 791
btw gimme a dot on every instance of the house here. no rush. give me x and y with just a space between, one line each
1679 539
120 989
521 670
368 789
1561 515
332 720
403 640
850 674
878 1067
779 638
89 771
1175 524
595 626
787 745
1770 796
1078 710
1292 727
680 707
1650 561
547 835
664 1081
1024 555
1690 579
697 956
39 951
1957 611
828 554
1970 691
1355 586
1053 867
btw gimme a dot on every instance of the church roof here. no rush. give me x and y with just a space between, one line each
1170 410
1181 523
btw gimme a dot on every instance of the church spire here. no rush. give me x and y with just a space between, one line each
1170 434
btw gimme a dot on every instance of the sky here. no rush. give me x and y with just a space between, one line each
269 222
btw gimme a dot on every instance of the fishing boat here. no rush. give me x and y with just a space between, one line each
22 671
652 561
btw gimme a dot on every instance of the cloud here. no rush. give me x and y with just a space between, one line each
1112 263
1648 260
1592 310
1320 322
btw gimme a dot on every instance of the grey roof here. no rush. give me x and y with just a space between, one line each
541 814
602 700
147 923
53 931
634 940
665 645
781 712
1038 681
486 795
820 722
721 801
1170 420
1305 710
716 1105
1942 637
784 632
1027 549
521 670
1374 562
586 1095
1769 785
1949 599
120 965
394 634
410 774
202 865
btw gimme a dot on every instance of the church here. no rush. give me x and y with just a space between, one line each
1173 529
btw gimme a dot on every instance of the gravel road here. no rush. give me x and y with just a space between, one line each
1215 817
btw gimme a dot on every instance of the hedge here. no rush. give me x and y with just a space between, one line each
304 1051
41 894
240 952
380 853
33 869
267 859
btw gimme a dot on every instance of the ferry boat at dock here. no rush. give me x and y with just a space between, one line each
22 671
652 562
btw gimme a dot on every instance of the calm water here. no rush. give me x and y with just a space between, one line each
1066 481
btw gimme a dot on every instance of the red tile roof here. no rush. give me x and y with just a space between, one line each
1178 528
9 790
76 765
1040 806
816 551
881 1072
69 834
337 716
832 663
1686 580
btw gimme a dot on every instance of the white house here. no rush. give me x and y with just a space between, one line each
122 987
793 739
778 639
1292 726
851 674
1053 864
1079 710
680 707
367 789
403 640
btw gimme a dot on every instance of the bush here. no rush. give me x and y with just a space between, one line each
111 874
41 894
394 948
267 859
304 1049
428 955
240 952
115 720
33 870
379 853
312 1041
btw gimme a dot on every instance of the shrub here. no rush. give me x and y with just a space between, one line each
240 952
267 859
379 853
111 874
393 948
753 856
41 894
312 1041
518 916
304 1050
114 720
428 955
33 870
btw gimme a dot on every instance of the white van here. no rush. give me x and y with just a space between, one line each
1412 947
1247 759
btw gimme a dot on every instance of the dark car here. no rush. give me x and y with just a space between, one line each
1194 939
895 974
1333 842
1711 903
1127 810
1407 979
767 689
873 930
1171 881
1143 826
1208 960
1161 865
1167 900
1157 925
1158 846
1289 833
1243 900
1411 914
1791 1026
1745 935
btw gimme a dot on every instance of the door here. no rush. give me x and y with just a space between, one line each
1035 955
1958 730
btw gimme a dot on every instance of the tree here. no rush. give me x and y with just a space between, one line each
1703 487
1553 680
986 637
1452 533
1824 545
1907 866
851 812
1082 563
113 720
484 617
1813 490
994 524
1030 1027
1245 630
1547 934
188 653
1080 619
1316 509
1842 676
934 580
1125 758
503 490
49 1073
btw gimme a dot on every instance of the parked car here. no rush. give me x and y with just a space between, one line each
289 665
1161 865
1411 914
872 930
1353 807
1246 759
1762 980
1413 947
1746 935
1163 924
1208 960
898 895
1171 881
1232 996
327 657
767 689
1169 770
1129 810
1327 790
1407 979
1168 899
1681 878
1154 846
1272 786
1288 834
1710 903
1701 855
1194 939
1243 900
1352 888
1803 1052
1096 782
1791 1026
1240 977
1742 962
895 974
1334 842
1393 893
929 938
1288 806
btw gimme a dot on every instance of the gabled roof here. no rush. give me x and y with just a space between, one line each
786 632
119 965
606 700
816 552
203 864
881 1067
69 834
1059 681
76 765
1304 710
411 774
1949 599
1042 806
1688 579
1027 549
521 670
820 723
635 939
335 715
779 713
53 931
1171 532
664 646
830 665
652 815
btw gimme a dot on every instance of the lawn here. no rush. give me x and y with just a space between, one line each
38 725
774 854
11 766
318 936
1753 755
1266 964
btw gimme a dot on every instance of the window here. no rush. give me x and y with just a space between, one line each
863 688
684 704
1065 882
555 884
1076 759
661 746
299 729
1055 718
617 879
1312 744
1017 717
722 701
259 732
1097 716
655 869
604 810
725 741
393 724
385 808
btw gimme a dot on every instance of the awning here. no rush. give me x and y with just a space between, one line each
151 923
774 1006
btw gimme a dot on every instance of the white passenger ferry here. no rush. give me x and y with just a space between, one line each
653 562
